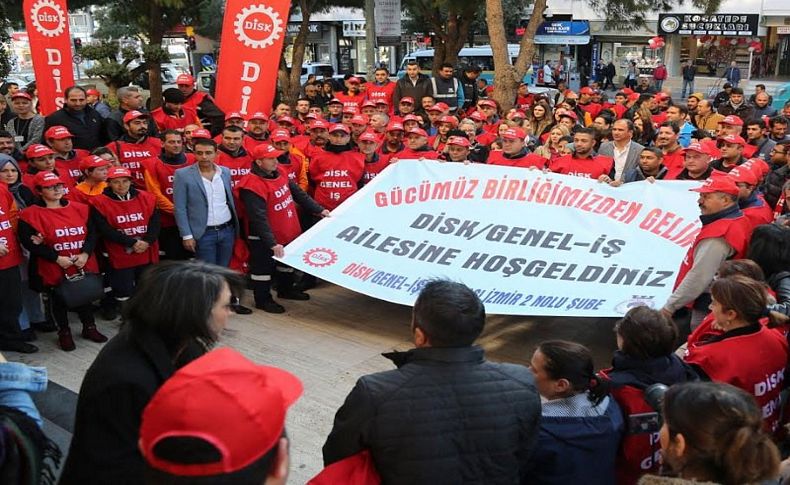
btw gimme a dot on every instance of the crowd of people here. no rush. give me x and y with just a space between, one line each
92 198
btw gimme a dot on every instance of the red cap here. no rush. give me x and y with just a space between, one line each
733 139
349 110
281 135
312 116
93 92
459 141
570 114
118 172
339 127
185 80
442 106
434 108
628 91
133 115
633 96
21 94
36 150
586 90
662 96
259 115
318 124
57 132
265 150
369 104
334 101
760 166
369 136
360 119
241 411
411 117
92 161
452 120
487 102
395 126
232 115
516 114
46 178
477 116
418 131
732 120
717 183
381 101
354 80
514 134
201 133
744 174
407 99
286 119
699 148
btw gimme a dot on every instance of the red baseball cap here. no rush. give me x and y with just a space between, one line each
241 411
349 110
46 178
381 101
57 132
487 102
517 114
732 120
411 117
37 150
733 139
201 133
459 141
360 119
369 136
434 108
118 172
627 91
514 134
633 96
232 115
760 166
452 120
339 127
93 92
407 99
92 161
717 183
395 126
259 115
586 90
570 114
354 80
318 124
286 119
133 115
185 80
22 94
477 116
662 96
699 148
418 131
369 104
281 135
442 106
744 174
265 150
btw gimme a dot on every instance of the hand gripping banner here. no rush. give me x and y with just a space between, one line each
252 39
50 48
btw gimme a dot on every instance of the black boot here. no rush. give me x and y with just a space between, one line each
286 288
262 290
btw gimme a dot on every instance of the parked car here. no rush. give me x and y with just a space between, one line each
781 96
319 69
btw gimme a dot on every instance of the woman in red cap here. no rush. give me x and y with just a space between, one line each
60 239
128 221
28 126
94 171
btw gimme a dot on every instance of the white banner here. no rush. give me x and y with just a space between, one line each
388 18
528 242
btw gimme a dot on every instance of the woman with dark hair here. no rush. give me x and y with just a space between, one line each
175 315
646 341
711 434
738 304
580 425
770 249
644 133
542 118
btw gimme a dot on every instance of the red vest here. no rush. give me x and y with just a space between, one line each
674 163
527 161
350 101
194 100
374 168
335 176
758 369
381 93
71 166
250 143
736 231
7 230
68 182
593 108
294 168
131 156
166 121
64 229
238 166
759 213
583 167
130 217
280 211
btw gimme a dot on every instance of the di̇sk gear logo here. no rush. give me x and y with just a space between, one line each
258 26
48 18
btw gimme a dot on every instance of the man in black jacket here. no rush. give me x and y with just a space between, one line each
446 415
468 80
414 84
84 122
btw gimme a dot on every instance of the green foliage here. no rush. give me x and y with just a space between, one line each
5 55
625 14
114 71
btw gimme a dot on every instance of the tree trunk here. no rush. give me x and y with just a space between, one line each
509 76
290 83
155 68
451 37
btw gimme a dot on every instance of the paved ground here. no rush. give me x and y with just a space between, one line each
328 342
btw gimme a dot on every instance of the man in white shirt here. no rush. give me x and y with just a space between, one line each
547 74
622 148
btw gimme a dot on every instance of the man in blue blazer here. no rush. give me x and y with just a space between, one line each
204 209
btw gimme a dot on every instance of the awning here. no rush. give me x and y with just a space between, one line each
564 32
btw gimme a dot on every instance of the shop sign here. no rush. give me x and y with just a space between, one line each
575 32
715 24
388 22
353 28
783 30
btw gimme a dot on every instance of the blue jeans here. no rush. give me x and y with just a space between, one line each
16 381
687 85
216 247
659 84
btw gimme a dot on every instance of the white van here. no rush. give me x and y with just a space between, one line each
471 56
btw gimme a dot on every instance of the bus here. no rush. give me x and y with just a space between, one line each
469 56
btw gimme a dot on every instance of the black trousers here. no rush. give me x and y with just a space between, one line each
10 303
124 281
170 244
58 312
265 271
